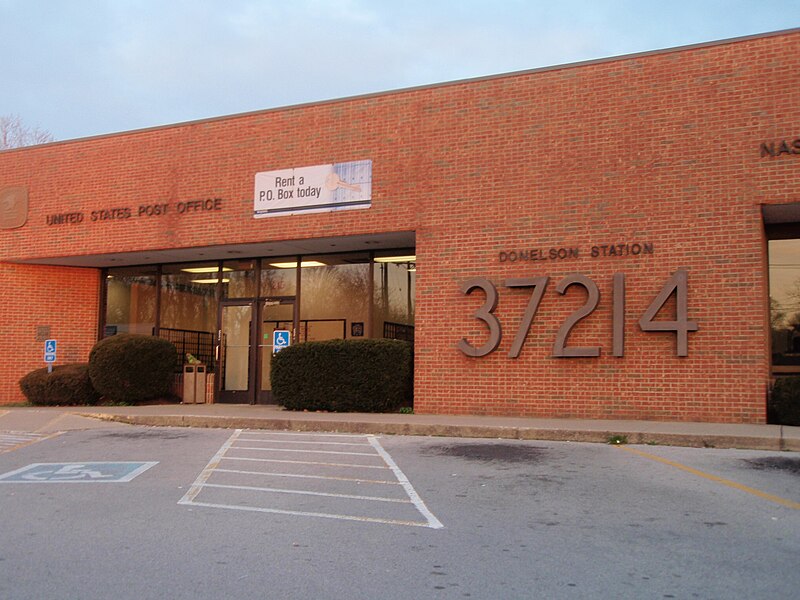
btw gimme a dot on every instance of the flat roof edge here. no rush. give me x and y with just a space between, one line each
443 84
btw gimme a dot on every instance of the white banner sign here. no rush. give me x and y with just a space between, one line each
321 188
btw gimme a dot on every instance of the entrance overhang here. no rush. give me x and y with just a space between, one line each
778 214
351 243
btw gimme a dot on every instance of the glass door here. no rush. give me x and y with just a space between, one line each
276 313
235 366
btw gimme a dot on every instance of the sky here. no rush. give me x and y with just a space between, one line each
79 68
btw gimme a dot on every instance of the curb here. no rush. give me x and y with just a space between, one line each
464 431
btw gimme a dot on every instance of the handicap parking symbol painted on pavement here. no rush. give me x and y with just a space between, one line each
87 472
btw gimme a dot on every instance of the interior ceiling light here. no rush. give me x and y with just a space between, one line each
396 259
205 269
293 264
214 280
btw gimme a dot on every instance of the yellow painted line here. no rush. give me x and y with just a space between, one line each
715 478
49 424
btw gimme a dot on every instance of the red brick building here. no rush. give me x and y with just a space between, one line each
623 211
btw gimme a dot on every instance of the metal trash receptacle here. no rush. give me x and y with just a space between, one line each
199 384
189 384
194 384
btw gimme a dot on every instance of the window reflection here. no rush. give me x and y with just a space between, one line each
130 300
278 277
334 295
189 308
239 279
394 294
784 304
236 347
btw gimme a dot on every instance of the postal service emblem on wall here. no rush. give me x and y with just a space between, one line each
13 207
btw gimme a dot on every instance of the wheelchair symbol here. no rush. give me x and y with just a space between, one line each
280 339
66 473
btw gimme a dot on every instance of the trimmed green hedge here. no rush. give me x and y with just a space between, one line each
132 368
784 404
344 376
67 385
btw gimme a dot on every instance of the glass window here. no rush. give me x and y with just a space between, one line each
235 358
335 298
239 279
130 300
784 304
334 295
278 277
394 294
189 308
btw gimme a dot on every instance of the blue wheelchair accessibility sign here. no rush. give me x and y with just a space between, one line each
281 338
50 351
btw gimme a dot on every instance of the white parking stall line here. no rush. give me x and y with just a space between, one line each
433 522
16 439
306 493
305 513
295 475
11 440
356 436
307 451
326 486
304 462
304 442
197 486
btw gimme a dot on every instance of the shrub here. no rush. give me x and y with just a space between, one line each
344 375
66 385
132 368
784 404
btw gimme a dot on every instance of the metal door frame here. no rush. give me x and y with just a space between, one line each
265 396
245 396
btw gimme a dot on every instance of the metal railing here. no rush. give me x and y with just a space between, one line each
199 344
398 331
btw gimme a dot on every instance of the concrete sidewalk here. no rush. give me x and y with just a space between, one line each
717 435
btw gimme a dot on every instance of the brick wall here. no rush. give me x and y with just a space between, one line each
37 301
660 149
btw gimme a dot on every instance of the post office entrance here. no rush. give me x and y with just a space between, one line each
224 312
245 347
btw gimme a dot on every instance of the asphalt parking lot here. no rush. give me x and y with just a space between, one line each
255 514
